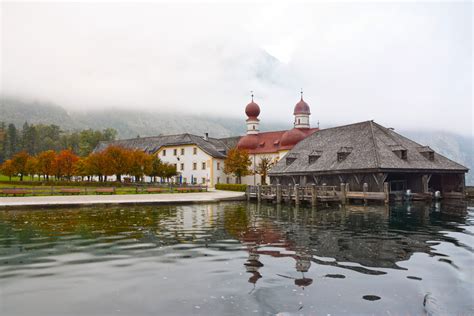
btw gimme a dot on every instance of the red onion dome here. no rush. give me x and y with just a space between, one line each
302 108
292 137
252 110
248 142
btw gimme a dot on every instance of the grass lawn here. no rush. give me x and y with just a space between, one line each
5 178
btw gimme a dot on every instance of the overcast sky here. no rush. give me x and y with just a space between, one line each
406 65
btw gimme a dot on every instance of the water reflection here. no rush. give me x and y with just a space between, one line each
243 249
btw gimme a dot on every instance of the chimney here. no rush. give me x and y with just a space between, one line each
206 136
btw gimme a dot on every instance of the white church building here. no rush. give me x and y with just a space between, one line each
200 159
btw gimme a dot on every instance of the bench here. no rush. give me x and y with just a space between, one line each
154 190
105 191
15 192
70 191
188 189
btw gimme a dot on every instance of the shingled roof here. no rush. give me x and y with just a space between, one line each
361 146
215 147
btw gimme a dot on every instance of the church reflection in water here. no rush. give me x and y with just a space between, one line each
365 239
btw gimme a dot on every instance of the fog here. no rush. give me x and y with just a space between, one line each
405 65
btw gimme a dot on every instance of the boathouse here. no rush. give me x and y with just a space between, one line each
366 155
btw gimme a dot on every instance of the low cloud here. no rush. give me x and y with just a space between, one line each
404 65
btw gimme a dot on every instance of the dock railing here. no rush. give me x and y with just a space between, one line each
314 193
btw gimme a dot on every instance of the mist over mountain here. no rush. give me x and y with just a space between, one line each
131 123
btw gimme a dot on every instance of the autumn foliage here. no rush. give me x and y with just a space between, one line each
65 165
237 163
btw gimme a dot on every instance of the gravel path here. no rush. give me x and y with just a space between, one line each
162 198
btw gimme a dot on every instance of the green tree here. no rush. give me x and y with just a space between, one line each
12 141
29 139
3 142
237 163
168 171
156 168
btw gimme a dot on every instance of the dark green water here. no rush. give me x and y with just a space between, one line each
234 258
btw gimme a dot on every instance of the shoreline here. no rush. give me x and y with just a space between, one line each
214 196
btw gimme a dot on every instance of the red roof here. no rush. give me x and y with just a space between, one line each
302 108
252 110
269 142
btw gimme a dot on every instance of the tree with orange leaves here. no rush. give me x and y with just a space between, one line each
46 161
8 169
237 163
19 161
64 164
140 164
97 165
32 167
118 161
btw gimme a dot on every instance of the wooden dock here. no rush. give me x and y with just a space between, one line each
314 194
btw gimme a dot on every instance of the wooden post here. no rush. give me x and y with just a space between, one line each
314 195
247 192
365 188
343 193
387 192
297 194
259 193
288 196
278 193
424 183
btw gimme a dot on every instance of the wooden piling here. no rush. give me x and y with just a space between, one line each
314 195
297 194
387 192
259 193
365 189
278 194
247 190
343 194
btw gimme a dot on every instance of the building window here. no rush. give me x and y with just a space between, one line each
218 166
203 166
194 166
343 152
341 156
182 166
290 160
164 152
218 180
195 180
185 180
182 151
175 152
227 180
203 180
195 151
404 154
176 166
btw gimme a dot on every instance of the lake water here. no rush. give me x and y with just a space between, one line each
238 258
